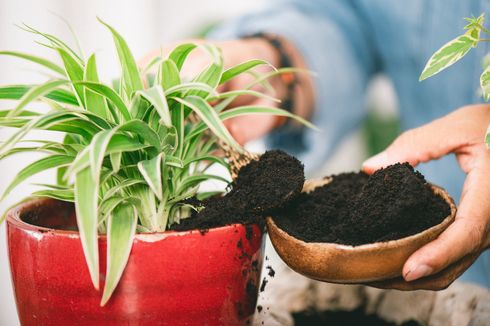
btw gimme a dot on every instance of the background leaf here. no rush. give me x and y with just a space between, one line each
448 54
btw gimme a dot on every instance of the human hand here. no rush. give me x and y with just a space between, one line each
436 265
249 127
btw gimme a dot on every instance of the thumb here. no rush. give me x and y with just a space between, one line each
422 144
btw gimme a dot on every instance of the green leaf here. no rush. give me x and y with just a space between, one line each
41 61
121 186
247 110
142 129
116 161
180 53
241 68
211 119
151 170
111 95
195 87
487 137
16 92
118 143
193 180
156 97
209 158
86 197
168 74
131 76
34 93
485 83
178 120
448 54
212 74
59 194
120 233
94 102
97 151
74 71
45 121
56 42
38 166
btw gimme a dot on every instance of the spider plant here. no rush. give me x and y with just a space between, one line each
131 153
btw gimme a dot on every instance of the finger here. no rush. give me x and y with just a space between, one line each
434 282
467 234
432 140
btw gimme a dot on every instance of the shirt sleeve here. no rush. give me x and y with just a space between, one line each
334 41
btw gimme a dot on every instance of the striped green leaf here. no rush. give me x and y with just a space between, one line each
485 83
94 102
194 180
41 61
156 97
38 166
168 73
142 129
211 119
121 228
86 202
74 71
151 170
16 92
448 54
59 194
35 93
111 95
131 76
247 110
241 68
187 87
180 53
97 151
487 137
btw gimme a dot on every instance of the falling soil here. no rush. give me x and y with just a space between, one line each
343 318
271 272
356 209
260 186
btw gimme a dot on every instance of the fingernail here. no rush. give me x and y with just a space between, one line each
418 272
377 161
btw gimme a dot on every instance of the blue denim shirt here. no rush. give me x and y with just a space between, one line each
346 42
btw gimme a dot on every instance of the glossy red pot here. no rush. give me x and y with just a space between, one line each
172 278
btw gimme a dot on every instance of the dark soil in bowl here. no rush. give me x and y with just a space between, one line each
343 318
357 209
260 186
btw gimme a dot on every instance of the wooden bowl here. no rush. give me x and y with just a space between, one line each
339 263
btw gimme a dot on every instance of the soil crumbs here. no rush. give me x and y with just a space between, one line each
260 186
356 209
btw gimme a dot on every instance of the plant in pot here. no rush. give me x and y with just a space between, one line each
131 158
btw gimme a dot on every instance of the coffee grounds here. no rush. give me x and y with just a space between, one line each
356 209
343 318
260 186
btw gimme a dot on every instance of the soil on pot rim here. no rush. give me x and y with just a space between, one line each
260 186
356 209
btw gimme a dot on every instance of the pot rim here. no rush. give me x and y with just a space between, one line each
13 219
374 246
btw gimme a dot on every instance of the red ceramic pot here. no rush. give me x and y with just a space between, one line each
172 278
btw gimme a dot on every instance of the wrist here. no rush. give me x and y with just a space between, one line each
295 89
